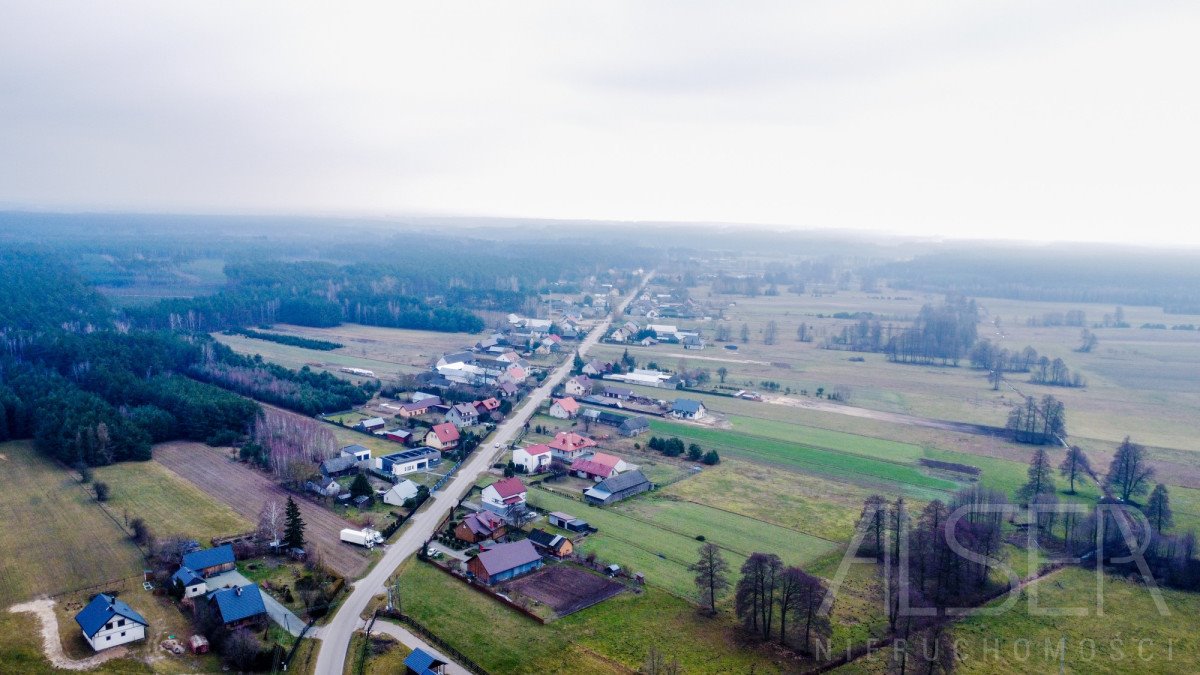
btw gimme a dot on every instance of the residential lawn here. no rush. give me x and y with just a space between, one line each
841 465
613 636
383 655
54 536
170 505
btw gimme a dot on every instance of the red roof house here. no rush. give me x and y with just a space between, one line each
568 445
442 436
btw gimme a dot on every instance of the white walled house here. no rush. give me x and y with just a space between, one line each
564 408
109 622
534 458
193 584
503 495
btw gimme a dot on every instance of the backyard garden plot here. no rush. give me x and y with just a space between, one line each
170 505
54 537
565 589
612 637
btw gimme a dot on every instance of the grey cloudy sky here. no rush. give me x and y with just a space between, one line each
1070 120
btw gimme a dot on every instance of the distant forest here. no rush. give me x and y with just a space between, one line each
1062 274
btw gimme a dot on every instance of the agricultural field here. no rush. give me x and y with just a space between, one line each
170 505
387 352
612 637
49 519
246 491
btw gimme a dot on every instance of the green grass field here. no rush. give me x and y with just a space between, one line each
658 536
54 537
612 637
170 505
844 465
1130 619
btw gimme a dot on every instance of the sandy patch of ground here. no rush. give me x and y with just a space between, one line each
43 609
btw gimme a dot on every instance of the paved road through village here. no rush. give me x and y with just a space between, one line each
336 635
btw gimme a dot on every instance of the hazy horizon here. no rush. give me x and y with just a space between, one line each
1002 122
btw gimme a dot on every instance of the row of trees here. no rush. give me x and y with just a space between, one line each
1038 423
675 447
772 601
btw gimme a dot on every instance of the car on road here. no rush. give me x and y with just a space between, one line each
496 445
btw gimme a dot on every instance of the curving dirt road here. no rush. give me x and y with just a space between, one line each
43 609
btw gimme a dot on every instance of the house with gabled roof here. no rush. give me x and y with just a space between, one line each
193 584
500 497
621 486
109 622
340 465
443 436
598 466
462 415
595 367
239 606
634 426
533 458
210 561
580 385
687 409
564 408
418 406
505 561
568 445
551 544
481 526
371 425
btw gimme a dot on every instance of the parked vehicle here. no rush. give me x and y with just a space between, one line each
364 537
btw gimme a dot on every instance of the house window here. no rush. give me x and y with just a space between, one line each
122 633
121 622
108 638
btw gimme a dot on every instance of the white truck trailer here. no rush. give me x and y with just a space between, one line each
364 537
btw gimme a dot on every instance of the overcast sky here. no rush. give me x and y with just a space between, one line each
1067 120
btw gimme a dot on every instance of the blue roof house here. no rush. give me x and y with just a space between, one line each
108 622
210 561
239 605
193 584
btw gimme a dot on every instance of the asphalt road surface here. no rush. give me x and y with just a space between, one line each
336 634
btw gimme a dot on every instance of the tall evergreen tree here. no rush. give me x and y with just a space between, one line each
1158 509
293 529
1129 473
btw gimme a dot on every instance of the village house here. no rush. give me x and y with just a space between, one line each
417 407
500 497
619 393
210 561
400 493
463 415
408 461
482 526
371 425
357 452
505 561
580 385
486 407
568 445
533 458
621 486
687 409
193 584
109 622
693 342
634 426
551 544
595 367
506 390
564 408
239 606
442 436
340 465
598 466
327 487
